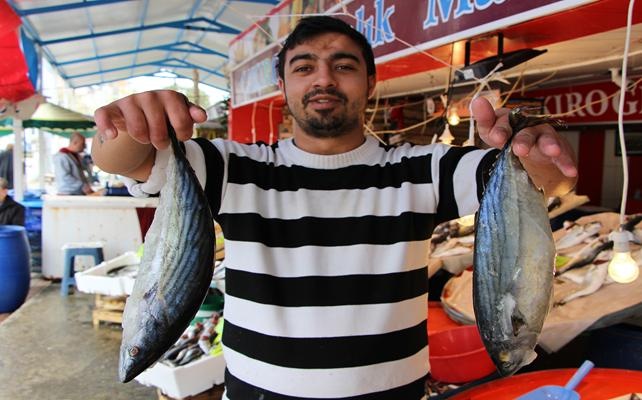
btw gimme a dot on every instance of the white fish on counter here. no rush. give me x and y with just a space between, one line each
577 234
591 278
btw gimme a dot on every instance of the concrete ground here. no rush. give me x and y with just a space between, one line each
50 350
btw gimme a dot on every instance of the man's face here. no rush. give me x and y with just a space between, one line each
3 193
78 145
326 85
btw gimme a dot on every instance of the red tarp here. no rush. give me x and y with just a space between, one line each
14 78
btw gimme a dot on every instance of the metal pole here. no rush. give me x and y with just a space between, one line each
195 77
18 158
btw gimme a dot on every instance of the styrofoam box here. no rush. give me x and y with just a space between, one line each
187 380
95 280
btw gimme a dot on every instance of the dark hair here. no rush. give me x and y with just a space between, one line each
309 27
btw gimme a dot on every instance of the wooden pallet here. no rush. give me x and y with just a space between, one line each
108 309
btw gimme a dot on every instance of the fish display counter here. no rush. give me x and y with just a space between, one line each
109 219
588 301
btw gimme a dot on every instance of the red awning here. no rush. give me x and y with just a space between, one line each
14 73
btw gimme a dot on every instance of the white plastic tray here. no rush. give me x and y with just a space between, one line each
187 380
95 280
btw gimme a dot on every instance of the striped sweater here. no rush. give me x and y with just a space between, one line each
326 278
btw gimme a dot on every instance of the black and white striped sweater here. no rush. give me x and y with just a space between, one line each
326 276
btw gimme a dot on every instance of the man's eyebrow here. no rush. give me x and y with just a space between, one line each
304 56
334 57
341 54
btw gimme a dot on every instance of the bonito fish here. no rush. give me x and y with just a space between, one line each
513 260
175 272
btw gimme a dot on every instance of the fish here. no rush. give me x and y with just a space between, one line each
175 272
576 234
632 221
587 254
514 259
590 281
124 270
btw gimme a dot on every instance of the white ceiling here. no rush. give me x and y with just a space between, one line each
98 41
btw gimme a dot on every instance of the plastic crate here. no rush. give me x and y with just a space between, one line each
187 380
96 280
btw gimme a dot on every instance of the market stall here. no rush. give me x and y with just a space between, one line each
111 220
426 53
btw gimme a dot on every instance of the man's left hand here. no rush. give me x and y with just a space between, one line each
543 151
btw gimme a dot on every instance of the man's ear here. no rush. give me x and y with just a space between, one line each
281 84
372 85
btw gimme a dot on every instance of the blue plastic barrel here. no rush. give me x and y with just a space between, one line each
14 267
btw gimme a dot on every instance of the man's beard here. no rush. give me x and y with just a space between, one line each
327 124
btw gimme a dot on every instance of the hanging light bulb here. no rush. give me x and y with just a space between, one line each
622 267
453 117
446 137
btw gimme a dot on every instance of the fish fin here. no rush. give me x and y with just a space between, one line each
529 357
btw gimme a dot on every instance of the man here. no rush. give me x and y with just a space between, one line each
11 213
69 170
6 165
326 233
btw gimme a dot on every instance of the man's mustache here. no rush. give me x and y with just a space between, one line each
329 92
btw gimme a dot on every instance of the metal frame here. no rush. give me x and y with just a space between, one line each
172 60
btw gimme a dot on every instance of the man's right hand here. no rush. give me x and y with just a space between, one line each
132 128
143 116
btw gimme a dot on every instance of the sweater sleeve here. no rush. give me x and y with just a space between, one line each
462 175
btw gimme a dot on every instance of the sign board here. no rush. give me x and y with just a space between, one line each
394 28
590 104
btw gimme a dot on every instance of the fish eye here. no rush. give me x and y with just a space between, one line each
133 351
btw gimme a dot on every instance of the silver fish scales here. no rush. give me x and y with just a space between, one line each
514 260
175 272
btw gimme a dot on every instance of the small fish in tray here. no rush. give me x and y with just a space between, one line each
129 271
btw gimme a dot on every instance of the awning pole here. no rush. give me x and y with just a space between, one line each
18 158
43 152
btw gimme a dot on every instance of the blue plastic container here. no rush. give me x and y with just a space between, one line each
14 267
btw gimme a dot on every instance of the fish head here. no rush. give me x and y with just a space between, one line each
137 353
515 354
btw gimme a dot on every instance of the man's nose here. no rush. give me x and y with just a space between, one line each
325 76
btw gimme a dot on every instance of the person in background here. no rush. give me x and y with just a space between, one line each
6 165
69 169
11 212
326 234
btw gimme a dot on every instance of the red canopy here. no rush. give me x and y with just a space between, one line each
14 73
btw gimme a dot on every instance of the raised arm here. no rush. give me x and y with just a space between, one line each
132 128
545 154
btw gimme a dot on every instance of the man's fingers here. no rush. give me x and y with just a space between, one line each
144 117
156 122
135 120
197 113
177 108
103 117
566 164
492 125
542 144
